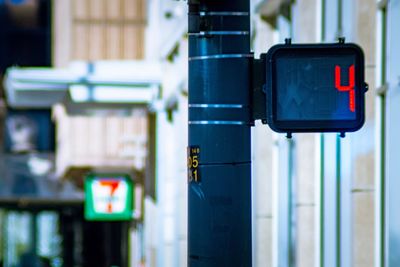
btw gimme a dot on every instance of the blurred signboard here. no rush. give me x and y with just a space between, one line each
108 197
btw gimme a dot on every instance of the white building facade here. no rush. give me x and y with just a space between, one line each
318 199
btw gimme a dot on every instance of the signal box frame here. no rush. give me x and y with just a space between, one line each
292 126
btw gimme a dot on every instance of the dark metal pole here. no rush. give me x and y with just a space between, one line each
219 189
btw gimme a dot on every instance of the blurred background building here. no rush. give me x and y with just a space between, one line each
101 86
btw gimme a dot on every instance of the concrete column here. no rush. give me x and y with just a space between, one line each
305 25
363 149
262 147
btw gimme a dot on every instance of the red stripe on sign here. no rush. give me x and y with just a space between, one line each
113 184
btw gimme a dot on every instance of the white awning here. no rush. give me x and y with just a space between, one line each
83 82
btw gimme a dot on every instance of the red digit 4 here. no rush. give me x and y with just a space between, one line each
349 88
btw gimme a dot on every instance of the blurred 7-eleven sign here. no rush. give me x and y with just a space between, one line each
108 197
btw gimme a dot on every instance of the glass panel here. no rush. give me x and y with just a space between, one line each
49 240
1 237
18 247
29 239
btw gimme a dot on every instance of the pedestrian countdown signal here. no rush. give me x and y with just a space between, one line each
315 88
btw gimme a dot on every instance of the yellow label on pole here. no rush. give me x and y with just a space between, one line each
193 164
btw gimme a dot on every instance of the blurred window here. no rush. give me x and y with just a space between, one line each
25 33
29 239
28 131
102 30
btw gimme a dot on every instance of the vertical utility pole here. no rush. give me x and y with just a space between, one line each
219 152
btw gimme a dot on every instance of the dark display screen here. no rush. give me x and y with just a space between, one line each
315 88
